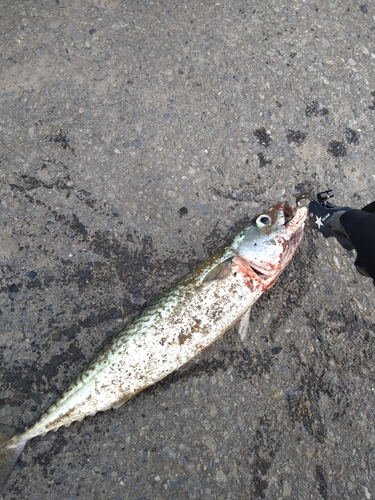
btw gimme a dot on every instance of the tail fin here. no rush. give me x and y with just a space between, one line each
10 449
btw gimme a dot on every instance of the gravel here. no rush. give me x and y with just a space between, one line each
135 138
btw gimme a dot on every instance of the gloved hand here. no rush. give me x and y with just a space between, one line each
326 218
360 227
354 229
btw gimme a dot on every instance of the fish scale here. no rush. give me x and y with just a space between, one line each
176 328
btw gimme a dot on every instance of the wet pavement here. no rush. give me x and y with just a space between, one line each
136 137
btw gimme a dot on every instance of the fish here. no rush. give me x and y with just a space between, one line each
187 319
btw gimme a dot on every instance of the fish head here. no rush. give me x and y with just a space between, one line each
268 243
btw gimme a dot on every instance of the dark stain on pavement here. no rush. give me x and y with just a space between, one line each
262 160
303 405
246 191
352 136
337 148
322 482
315 109
61 138
267 442
296 136
263 136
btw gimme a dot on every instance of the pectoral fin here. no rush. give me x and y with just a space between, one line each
220 271
244 325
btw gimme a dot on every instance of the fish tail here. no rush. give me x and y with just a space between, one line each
11 446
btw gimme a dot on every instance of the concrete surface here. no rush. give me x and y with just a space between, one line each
135 138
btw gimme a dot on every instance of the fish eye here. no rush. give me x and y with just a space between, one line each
263 220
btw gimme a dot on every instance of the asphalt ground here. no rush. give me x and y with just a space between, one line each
136 137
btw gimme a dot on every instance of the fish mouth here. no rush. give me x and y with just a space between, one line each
294 224
295 219
289 211
289 237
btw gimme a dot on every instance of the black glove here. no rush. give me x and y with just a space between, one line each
325 217
360 226
354 229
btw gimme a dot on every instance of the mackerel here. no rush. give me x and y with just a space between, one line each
177 327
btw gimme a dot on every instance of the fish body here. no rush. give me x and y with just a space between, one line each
177 327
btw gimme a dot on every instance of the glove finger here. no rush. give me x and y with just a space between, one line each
370 208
